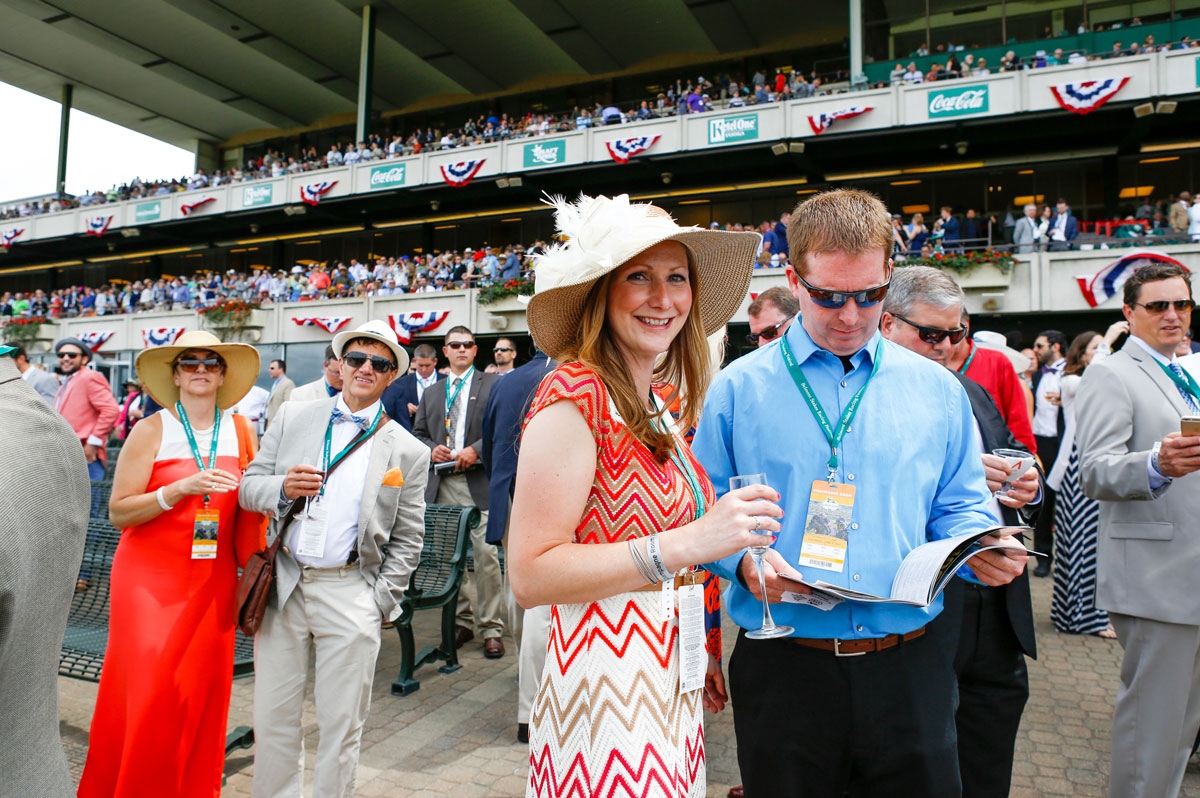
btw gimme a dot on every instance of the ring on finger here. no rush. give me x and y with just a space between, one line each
757 522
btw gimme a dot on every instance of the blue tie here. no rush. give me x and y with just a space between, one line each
339 418
1187 397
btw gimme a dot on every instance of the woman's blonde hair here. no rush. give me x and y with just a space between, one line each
686 365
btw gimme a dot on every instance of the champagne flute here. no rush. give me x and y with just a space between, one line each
302 513
769 629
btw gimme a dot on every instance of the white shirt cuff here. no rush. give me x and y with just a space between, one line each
94 441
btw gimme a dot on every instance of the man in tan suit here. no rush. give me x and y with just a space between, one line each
343 567
45 501
281 388
1179 213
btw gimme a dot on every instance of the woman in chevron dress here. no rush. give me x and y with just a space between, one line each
1076 517
610 504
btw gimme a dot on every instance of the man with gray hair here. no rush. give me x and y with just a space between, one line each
990 627
1028 231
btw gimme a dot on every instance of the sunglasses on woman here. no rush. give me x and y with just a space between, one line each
768 333
192 364
356 360
935 335
1161 305
835 299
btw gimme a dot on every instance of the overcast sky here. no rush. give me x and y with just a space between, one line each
100 154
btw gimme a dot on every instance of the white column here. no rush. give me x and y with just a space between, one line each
856 38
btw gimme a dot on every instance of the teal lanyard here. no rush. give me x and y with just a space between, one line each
833 435
328 463
191 439
685 467
451 398
967 364
1186 382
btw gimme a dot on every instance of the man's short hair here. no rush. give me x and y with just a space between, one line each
1152 273
1055 337
846 220
921 284
778 296
18 350
282 365
459 330
329 355
425 350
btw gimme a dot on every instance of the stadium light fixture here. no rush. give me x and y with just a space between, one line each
1143 110
1166 107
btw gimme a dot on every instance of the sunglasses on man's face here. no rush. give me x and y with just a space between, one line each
461 345
504 349
69 355
193 364
834 300
356 360
935 335
1161 305
768 333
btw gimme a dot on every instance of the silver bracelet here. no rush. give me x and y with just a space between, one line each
162 501
640 561
654 550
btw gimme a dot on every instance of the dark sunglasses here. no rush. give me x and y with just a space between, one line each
836 299
1161 305
504 349
356 360
192 364
769 333
461 345
935 335
71 355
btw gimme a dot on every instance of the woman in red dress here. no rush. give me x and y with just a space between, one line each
159 723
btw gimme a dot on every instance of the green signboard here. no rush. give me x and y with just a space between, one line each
944 103
388 176
147 212
257 195
548 153
733 128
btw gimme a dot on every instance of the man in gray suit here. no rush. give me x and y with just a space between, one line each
343 567
1028 231
43 382
1143 471
449 421
45 500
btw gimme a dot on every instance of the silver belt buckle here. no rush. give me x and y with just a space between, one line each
837 650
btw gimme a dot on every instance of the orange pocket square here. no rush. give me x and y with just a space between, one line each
394 478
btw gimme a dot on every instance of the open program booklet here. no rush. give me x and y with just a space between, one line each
923 574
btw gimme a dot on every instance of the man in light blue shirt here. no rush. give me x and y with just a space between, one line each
875 693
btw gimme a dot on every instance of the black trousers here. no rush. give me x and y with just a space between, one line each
1043 529
810 724
993 684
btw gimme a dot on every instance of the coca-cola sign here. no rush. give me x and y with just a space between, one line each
387 176
958 102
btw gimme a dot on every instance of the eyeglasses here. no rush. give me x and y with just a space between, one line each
935 335
504 349
71 355
768 333
1161 305
193 364
461 345
357 360
833 300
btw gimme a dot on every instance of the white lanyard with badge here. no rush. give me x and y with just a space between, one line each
207 520
830 503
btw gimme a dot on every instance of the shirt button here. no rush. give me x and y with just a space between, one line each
850 477
858 628
857 577
854 526
843 383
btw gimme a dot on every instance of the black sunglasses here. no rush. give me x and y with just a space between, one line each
193 364
835 299
461 345
356 360
768 333
935 335
71 355
1161 305
504 349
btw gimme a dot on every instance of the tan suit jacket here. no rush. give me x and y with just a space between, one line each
310 392
279 394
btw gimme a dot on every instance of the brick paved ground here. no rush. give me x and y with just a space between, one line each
456 735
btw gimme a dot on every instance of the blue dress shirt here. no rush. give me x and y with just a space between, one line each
910 452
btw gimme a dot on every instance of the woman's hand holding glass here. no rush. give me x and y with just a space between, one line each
212 480
757 550
749 513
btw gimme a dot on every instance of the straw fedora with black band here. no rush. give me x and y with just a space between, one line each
154 368
602 234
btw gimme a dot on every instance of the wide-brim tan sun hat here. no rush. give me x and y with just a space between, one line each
600 235
376 331
241 368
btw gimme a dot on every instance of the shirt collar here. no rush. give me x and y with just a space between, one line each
803 346
370 411
1154 353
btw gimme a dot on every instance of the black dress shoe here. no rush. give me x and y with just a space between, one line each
523 733
462 636
1043 568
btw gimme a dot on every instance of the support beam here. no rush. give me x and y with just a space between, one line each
64 128
856 38
366 74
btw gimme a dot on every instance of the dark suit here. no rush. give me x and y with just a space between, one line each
398 396
994 630
1070 232
429 426
950 234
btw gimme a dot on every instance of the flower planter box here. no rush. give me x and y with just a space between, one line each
508 304
984 276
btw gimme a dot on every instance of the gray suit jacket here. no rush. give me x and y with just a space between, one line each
1149 552
45 383
1026 234
391 521
281 393
429 426
44 501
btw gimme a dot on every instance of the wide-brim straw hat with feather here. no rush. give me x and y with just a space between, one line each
600 234
241 368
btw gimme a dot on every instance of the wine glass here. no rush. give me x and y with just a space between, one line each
769 629
302 513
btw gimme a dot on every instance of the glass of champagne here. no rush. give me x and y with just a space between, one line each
769 629
302 513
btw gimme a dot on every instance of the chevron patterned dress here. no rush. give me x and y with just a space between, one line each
1077 519
608 719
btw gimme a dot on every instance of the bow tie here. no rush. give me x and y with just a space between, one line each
339 418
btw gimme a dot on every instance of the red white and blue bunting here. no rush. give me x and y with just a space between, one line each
1085 97
1102 286
311 194
161 336
329 324
406 325
622 150
98 225
461 173
188 208
10 237
822 122
95 339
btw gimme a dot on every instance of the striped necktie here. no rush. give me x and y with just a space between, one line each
1187 396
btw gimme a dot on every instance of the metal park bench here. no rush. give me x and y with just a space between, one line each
435 584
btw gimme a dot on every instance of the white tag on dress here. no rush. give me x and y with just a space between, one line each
313 530
693 657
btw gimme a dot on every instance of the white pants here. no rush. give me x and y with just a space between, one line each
333 612
480 599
